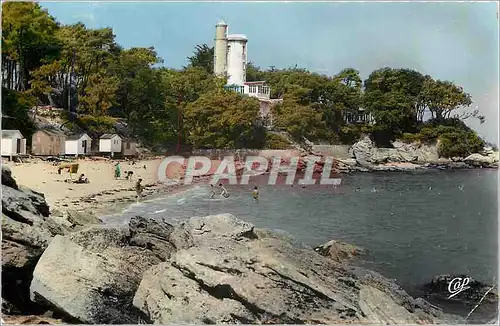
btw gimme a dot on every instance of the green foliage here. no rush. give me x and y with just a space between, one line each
97 125
223 119
28 41
203 57
15 108
459 144
84 70
455 138
274 141
299 120
352 133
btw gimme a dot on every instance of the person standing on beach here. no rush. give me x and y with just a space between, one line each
255 194
118 170
138 189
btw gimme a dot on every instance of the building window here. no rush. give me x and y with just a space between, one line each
128 145
253 89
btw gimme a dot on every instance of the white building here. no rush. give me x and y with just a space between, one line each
13 143
360 116
110 143
78 145
230 60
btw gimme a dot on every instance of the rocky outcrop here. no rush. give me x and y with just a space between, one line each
213 269
90 276
30 320
26 232
366 154
438 288
235 273
489 160
479 299
404 157
339 251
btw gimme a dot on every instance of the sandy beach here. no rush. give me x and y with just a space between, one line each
104 194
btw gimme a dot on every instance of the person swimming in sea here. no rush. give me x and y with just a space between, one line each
255 194
212 191
223 191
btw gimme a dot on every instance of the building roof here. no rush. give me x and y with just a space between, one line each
221 23
109 136
53 132
10 133
76 136
237 37
254 83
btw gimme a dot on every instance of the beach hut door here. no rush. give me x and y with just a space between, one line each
18 146
84 144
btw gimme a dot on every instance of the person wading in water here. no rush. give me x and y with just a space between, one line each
138 189
255 194
223 191
212 191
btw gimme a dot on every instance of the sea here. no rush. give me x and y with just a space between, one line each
414 225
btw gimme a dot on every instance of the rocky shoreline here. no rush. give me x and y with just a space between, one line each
70 267
365 157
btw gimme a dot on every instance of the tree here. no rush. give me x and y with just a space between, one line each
100 94
443 99
392 96
203 57
297 118
28 40
254 73
224 119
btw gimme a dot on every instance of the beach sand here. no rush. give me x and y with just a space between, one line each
104 194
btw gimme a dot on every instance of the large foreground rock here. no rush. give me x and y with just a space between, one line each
92 275
26 232
235 273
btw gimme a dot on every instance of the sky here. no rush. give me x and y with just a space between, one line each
456 41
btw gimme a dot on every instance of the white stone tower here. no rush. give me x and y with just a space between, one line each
220 49
236 59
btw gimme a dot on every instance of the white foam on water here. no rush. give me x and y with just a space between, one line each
160 211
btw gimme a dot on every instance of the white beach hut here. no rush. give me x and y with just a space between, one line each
110 143
13 143
78 144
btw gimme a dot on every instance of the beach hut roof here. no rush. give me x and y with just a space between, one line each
10 133
53 132
109 136
76 136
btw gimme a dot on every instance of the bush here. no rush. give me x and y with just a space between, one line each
274 141
98 125
459 144
352 133
410 138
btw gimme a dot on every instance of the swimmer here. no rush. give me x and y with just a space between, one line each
223 191
212 191
255 194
